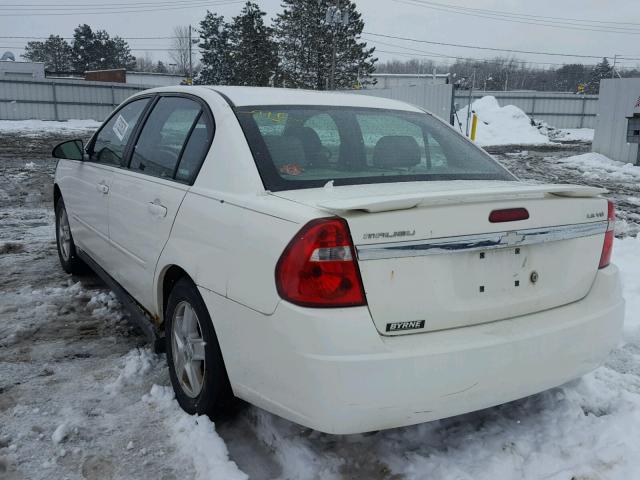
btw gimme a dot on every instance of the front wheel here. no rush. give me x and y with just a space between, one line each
196 367
64 240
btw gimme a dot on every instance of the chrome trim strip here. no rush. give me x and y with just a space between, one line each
483 241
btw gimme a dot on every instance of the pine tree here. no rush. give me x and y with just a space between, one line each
599 72
55 53
119 54
83 48
98 51
306 43
354 61
216 56
253 52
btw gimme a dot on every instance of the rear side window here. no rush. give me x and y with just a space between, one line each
195 150
112 139
164 135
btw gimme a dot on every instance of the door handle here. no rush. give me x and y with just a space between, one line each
103 188
157 209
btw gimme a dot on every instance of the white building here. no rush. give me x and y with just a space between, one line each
156 79
10 70
617 132
394 80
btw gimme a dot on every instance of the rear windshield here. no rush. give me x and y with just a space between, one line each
308 146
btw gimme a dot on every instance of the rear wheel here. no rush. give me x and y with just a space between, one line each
196 367
64 240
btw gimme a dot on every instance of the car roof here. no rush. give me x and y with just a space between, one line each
249 96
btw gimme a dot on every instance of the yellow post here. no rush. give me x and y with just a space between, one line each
474 124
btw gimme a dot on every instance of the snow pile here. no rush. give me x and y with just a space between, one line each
594 166
498 125
40 127
572 134
195 437
135 366
105 305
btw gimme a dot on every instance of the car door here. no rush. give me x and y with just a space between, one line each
87 189
145 197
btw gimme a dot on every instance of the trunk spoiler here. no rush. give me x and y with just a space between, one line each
387 203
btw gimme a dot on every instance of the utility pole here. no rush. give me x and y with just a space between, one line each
190 59
333 54
613 69
335 18
473 84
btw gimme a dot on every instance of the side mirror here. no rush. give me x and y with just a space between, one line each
69 150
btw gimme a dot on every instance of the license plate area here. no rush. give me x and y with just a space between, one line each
498 272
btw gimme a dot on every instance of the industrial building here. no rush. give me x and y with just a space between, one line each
617 132
394 80
12 70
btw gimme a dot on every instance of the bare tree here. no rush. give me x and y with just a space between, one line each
145 63
179 50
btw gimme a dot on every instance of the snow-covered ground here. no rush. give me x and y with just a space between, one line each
572 134
40 127
622 180
82 396
595 165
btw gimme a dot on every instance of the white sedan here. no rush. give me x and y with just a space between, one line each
350 263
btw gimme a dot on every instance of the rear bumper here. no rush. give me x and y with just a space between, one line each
330 370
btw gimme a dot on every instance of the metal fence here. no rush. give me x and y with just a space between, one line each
435 98
61 99
560 110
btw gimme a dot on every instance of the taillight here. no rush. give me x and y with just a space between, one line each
508 215
318 268
607 247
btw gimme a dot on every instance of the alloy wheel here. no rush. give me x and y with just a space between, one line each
188 349
64 234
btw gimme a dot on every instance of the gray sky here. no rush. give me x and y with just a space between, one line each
389 17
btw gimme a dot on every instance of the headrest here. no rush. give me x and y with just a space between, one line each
285 150
307 135
396 151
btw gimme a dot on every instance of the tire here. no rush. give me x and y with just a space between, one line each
205 390
67 253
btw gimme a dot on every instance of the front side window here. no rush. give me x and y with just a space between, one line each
308 146
164 135
112 139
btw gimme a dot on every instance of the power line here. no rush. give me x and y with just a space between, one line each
510 19
154 49
72 38
528 15
92 8
82 6
395 37
133 10
492 49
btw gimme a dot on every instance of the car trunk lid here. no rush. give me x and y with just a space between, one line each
430 259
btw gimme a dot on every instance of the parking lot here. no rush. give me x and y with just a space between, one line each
82 395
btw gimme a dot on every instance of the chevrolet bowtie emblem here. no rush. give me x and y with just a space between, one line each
512 238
